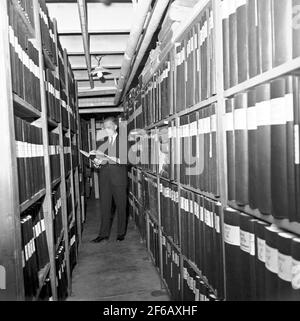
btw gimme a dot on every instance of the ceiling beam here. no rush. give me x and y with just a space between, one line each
93 93
101 110
82 8
95 32
98 53
106 67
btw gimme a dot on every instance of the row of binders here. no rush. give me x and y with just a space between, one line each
27 8
24 59
198 150
171 268
192 146
53 96
139 215
54 154
262 133
201 237
35 253
195 62
47 31
262 261
30 159
258 35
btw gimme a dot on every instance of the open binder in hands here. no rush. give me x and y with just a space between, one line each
98 158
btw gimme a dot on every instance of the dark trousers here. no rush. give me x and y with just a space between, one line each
118 193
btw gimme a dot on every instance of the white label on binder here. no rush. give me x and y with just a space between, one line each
245 241
297 141
232 235
213 123
278 111
217 223
289 107
261 250
295 274
263 113
252 244
285 267
271 259
229 124
201 214
240 119
251 118
191 206
187 208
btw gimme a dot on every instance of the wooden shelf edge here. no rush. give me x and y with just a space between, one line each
56 182
170 240
205 194
284 224
24 108
24 206
284 69
52 123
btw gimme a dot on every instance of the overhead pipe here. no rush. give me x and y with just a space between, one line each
141 14
157 15
82 8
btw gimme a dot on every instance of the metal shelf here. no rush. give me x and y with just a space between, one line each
289 67
24 109
24 206
284 224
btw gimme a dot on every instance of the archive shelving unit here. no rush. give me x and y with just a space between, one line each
11 267
219 98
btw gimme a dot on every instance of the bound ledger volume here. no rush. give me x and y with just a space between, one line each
54 154
30 159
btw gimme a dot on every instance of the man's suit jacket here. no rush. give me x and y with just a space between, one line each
117 174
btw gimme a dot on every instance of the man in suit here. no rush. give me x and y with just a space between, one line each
113 175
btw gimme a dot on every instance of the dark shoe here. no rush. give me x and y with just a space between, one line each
121 238
99 239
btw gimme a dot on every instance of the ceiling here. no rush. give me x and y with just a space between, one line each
109 25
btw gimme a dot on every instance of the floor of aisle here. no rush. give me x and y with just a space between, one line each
114 271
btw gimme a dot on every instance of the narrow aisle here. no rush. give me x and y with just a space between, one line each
114 271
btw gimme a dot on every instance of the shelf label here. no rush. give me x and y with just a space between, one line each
232 234
2 278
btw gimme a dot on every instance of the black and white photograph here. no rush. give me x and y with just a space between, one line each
150 156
